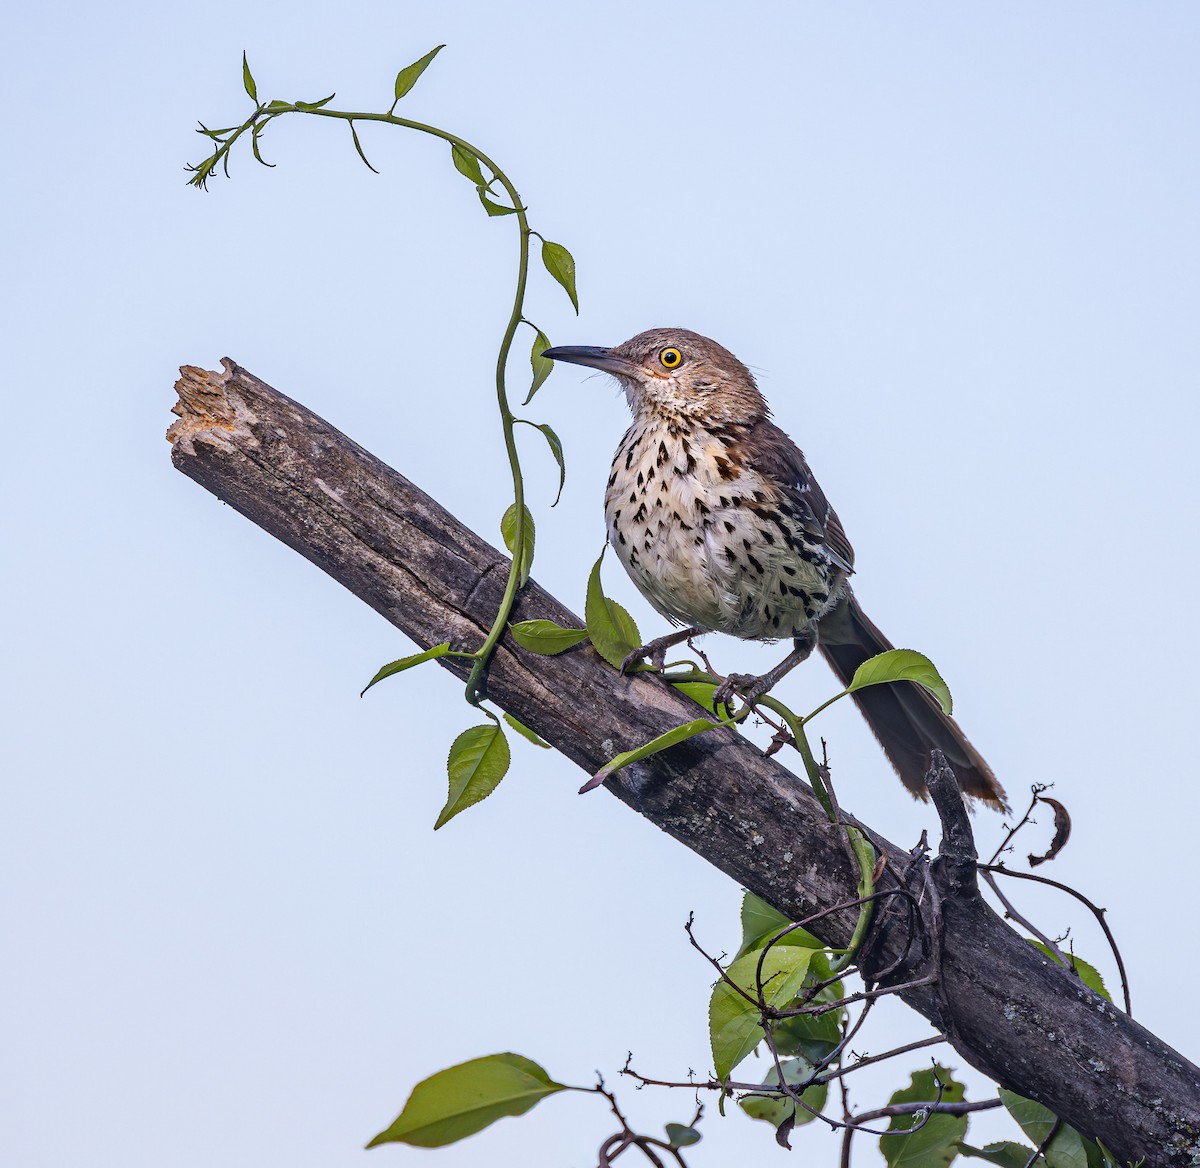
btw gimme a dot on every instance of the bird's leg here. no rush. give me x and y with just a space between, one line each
656 651
750 688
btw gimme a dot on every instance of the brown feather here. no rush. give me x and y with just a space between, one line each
905 718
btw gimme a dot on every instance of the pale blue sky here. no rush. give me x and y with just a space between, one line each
959 244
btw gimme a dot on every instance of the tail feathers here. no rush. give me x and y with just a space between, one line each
905 718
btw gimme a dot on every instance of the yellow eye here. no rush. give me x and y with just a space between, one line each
671 358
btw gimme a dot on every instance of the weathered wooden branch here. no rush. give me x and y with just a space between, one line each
1007 1010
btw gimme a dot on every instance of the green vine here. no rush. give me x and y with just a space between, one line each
517 526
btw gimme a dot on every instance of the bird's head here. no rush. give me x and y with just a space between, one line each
673 372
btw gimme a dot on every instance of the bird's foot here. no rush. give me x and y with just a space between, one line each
745 686
654 653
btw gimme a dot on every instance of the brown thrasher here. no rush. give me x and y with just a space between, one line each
720 523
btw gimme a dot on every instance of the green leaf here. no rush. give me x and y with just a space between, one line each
407 663
542 366
735 1023
545 636
1005 1153
508 529
1088 973
679 1135
255 134
814 1036
1108 1159
555 444
613 632
358 147
278 106
524 731
491 207
760 922
478 760
462 1100
467 164
309 106
810 1036
902 665
217 135
1068 1149
203 172
248 79
407 77
561 265
935 1144
774 1110
701 692
654 746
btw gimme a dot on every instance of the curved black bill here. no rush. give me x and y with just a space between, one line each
594 356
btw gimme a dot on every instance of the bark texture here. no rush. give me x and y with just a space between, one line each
1007 1010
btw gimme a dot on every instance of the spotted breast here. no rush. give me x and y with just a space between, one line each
714 540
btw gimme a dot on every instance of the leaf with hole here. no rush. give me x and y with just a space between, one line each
561 265
902 665
248 79
508 529
479 759
935 1143
774 1109
407 77
462 1100
734 1023
546 636
612 630
542 366
524 731
404 663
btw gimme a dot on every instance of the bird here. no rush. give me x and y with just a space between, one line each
714 513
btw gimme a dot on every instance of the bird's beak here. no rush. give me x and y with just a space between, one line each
594 356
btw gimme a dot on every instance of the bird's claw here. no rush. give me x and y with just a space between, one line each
654 657
745 686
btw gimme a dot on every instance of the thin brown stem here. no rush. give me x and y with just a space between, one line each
963 1108
1011 911
1095 909
1038 788
842 1072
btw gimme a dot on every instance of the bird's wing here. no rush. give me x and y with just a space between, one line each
765 448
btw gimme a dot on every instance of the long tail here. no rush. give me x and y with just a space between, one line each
905 718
